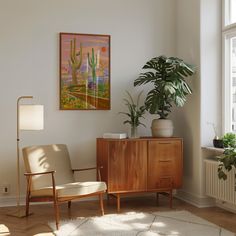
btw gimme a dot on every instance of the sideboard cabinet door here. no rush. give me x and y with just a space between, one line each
127 171
165 164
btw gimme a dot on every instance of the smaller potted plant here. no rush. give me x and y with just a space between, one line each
217 141
135 113
228 159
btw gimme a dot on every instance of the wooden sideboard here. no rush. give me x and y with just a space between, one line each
140 165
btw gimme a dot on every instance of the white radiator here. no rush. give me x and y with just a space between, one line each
220 189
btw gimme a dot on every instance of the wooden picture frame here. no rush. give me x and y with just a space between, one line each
84 71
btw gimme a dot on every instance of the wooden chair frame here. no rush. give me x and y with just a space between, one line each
56 199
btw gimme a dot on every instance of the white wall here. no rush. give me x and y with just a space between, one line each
29 59
187 119
211 85
211 75
199 42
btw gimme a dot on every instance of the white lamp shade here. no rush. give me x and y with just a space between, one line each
31 117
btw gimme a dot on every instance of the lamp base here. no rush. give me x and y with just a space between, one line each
19 213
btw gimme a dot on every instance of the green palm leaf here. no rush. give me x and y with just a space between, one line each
168 77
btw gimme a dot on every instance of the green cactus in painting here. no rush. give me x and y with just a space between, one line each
75 62
93 64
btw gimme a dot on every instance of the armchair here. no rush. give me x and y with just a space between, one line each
50 178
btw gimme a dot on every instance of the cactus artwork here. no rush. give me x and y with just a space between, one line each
93 64
93 61
84 71
74 62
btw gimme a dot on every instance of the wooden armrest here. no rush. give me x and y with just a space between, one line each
40 173
92 168
29 179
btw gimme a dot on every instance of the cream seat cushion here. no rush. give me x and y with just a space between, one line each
71 189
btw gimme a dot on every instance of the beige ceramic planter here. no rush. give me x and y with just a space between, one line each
162 128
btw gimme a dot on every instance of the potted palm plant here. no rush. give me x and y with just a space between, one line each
135 113
169 87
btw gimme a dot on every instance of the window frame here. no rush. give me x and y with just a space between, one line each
226 15
228 32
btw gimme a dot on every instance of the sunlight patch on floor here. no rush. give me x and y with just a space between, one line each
174 233
4 230
159 224
44 234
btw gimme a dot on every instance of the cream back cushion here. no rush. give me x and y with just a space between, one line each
47 158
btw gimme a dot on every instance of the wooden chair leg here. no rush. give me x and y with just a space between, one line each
171 198
56 212
101 203
118 202
69 204
27 205
157 198
27 197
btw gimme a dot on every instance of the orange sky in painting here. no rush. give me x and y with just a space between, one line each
99 43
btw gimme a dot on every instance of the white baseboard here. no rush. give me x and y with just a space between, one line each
204 201
226 206
7 201
195 200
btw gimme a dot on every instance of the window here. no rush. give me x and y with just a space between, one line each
229 64
232 11
233 74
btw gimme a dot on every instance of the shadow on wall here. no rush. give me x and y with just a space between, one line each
182 129
83 155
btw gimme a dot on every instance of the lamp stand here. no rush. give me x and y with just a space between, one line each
20 213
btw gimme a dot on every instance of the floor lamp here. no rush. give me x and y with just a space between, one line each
29 117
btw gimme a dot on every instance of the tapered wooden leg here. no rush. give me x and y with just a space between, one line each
27 205
55 201
108 198
118 202
171 198
56 211
157 198
69 204
101 203
27 197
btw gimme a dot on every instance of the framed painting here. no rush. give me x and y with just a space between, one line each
84 71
